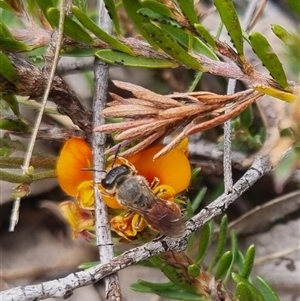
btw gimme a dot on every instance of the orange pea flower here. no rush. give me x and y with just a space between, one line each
128 224
81 221
172 171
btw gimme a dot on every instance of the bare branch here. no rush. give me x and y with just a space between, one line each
103 231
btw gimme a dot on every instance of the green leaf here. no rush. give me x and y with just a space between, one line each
195 173
264 51
198 199
112 11
221 242
45 5
234 251
177 294
8 44
119 58
230 19
156 286
82 4
78 52
7 69
98 32
88 264
246 118
168 44
157 7
10 124
194 270
266 289
205 35
204 243
175 275
224 265
254 291
243 292
188 9
189 214
286 167
71 28
249 260
183 38
132 7
282 34
4 31
294 5
277 93
6 6
152 15
239 261
173 293
12 102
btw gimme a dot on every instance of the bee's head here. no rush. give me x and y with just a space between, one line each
114 176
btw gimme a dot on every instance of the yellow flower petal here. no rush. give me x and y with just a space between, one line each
80 220
75 155
128 225
85 196
165 192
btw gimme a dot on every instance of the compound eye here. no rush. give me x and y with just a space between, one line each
114 176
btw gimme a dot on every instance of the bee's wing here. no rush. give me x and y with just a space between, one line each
164 216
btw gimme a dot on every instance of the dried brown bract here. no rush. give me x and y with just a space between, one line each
149 116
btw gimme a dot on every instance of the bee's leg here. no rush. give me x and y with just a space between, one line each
154 183
126 162
159 237
103 192
128 213
138 222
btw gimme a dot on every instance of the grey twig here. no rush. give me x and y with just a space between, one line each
64 287
227 159
103 231
210 150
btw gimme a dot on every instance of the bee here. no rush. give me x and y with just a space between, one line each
133 192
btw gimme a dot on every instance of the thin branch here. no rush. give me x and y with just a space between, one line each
75 65
53 133
64 287
57 41
211 150
227 159
25 178
103 231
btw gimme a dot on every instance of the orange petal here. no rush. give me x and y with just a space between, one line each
172 169
75 155
111 202
183 146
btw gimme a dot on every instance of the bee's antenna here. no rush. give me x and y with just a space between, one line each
92 169
116 155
